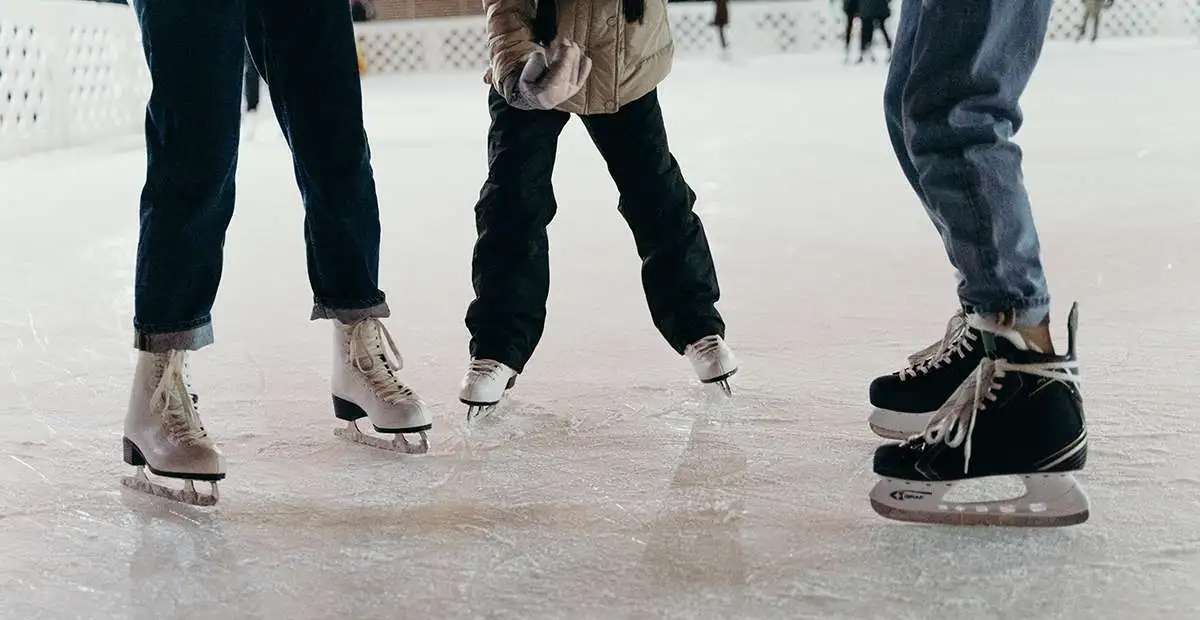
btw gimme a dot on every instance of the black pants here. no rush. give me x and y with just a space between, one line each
510 267
252 85
868 32
196 54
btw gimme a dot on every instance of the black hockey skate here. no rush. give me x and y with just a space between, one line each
1020 414
906 400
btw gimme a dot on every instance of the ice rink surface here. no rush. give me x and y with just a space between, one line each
611 485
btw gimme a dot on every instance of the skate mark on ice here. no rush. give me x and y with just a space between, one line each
697 535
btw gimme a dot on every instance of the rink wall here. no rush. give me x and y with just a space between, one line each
757 27
72 72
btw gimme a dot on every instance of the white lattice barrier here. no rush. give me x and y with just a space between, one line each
757 27
70 72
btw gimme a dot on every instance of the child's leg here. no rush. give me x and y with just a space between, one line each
678 275
510 267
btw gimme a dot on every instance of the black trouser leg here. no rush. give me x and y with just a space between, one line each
678 275
868 34
887 38
849 30
195 52
306 53
252 85
510 268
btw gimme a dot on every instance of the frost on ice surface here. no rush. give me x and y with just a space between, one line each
609 484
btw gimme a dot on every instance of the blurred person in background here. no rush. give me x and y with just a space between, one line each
874 14
850 8
252 95
195 50
1091 13
721 21
539 78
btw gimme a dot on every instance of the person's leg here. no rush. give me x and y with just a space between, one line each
1096 22
849 31
252 85
678 274
893 95
194 50
510 267
887 38
971 62
306 54
868 36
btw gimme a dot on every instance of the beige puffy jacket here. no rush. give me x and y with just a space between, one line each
628 59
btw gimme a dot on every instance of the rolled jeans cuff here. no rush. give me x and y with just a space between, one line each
190 339
348 316
1029 313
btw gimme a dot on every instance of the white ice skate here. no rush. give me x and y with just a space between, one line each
163 432
484 386
713 361
366 385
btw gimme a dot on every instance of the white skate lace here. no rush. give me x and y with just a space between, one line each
706 346
483 369
956 341
178 410
954 422
367 344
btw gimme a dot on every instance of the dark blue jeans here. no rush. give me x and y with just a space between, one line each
958 72
305 52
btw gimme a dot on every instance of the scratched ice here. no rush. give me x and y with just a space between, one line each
611 486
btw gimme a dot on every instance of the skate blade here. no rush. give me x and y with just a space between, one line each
399 443
186 495
1050 500
475 412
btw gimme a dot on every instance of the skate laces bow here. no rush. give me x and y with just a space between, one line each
366 342
954 422
956 341
179 413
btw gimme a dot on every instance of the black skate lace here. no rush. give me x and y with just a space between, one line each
956 341
954 422
706 346
484 368
179 410
367 343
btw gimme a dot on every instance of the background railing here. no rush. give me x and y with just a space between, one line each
72 72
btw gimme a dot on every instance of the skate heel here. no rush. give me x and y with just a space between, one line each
346 410
133 456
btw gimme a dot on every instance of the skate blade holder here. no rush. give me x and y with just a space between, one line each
722 382
1049 500
475 412
187 495
399 443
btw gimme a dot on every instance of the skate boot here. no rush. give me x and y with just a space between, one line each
163 432
484 385
713 361
366 385
905 401
1019 415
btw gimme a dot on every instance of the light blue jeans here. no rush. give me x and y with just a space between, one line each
951 103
